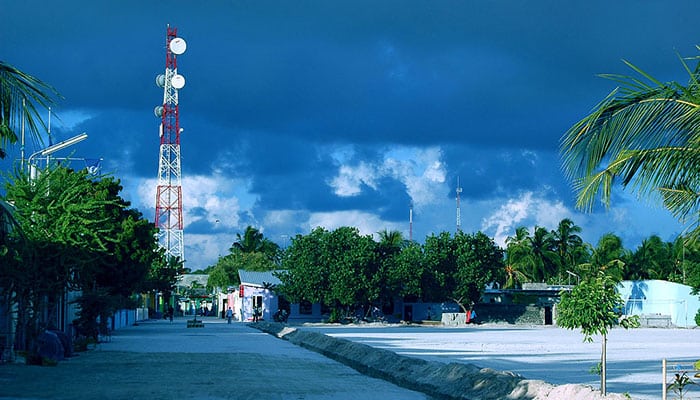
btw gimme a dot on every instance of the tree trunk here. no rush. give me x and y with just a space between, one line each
603 367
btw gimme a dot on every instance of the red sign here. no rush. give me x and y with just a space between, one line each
240 291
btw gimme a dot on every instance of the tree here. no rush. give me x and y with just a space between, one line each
80 235
651 260
405 275
608 257
544 255
439 267
163 275
20 94
595 307
478 261
519 258
253 241
645 136
535 256
225 272
567 244
390 246
351 259
305 276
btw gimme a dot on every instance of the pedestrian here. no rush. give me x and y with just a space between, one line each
229 315
171 311
256 313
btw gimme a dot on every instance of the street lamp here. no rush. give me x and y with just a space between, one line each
578 278
54 148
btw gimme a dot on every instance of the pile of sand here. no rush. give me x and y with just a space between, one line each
451 381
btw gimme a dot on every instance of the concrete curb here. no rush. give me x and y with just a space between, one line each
443 381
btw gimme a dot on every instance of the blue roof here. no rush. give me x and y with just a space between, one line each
257 278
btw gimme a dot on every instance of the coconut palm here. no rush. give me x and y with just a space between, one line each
645 135
545 256
391 242
253 241
567 244
519 258
20 95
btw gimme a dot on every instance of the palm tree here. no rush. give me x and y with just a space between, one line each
20 94
607 257
519 258
253 241
544 254
390 242
644 135
566 241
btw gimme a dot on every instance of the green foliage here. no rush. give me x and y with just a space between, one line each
343 269
594 306
439 267
544 256
79 234
253 241
680 384
306 276
406 271
478 261
20 96
643 136
225 272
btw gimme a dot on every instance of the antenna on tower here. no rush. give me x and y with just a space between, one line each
168 218
459 216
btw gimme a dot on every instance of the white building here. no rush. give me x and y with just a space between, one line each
660 303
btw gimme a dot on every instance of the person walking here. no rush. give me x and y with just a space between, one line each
229 315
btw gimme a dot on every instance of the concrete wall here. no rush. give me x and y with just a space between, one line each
510 313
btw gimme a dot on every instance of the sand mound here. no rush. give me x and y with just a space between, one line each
447 381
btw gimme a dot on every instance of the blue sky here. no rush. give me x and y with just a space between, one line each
299 114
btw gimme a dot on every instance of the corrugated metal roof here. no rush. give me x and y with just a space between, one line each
257 278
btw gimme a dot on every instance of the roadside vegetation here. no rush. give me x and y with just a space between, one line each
66 230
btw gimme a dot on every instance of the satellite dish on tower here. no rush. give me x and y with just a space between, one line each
178 81
160 80
158 111
178 46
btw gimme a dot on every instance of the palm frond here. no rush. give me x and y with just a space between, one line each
643 136
20 96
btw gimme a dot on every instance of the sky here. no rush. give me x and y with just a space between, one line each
300 114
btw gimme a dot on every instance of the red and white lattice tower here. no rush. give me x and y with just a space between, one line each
168 218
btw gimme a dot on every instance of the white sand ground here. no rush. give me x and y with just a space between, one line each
159 360
552 354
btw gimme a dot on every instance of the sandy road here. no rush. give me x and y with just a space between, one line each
158 360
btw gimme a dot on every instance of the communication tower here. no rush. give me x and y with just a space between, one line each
168 218
410 223
459 216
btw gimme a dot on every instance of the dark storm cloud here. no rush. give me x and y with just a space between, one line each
504 171
275 87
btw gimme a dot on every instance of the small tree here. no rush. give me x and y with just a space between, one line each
595 307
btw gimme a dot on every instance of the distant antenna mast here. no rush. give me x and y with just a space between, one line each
168 217
459 216
410 223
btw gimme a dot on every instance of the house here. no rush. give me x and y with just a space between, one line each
660 303
257 290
